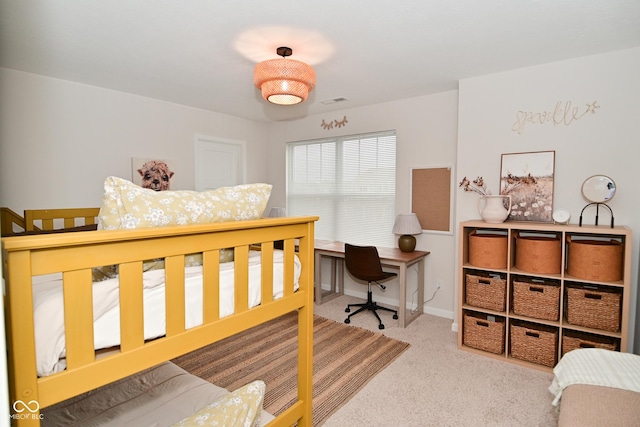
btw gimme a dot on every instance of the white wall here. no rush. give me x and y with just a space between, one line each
426 132
59 140
604 142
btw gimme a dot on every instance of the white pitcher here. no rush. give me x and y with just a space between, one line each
492 208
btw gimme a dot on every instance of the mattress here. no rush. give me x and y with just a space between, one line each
49 317
159 396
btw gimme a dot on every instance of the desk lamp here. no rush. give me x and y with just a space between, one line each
277 212
407 225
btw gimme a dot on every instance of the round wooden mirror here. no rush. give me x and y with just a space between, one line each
598 189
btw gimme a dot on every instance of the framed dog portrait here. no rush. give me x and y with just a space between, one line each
154 174
528 179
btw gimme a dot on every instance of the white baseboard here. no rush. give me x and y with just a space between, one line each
439 312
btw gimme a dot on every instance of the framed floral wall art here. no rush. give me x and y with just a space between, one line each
528 179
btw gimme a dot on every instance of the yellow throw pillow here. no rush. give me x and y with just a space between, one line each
127 205
240 408
103 273
190 260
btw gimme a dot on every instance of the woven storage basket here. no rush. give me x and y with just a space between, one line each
488 250
485 291
536 299
572 340
595 259
484 334
538 254
534 343
594 307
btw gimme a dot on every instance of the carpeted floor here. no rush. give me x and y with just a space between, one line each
345 359
433 383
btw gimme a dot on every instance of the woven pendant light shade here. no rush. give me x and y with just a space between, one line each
284 81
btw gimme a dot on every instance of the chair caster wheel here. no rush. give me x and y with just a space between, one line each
380 326
347 321
395 316
347 310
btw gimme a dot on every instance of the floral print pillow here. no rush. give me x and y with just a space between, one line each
240 408
127 205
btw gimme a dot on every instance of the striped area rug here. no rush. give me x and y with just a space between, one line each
345 359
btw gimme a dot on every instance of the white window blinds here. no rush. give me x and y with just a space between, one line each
349 182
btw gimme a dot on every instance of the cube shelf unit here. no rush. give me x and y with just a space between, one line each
495 330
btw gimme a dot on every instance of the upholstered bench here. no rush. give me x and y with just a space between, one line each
597 387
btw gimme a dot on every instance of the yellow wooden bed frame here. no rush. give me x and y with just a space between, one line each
74 255
9 218
46 219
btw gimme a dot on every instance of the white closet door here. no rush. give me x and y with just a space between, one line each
218 163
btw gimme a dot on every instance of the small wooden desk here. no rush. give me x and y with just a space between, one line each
389 257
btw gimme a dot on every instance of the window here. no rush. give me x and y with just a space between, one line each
349 182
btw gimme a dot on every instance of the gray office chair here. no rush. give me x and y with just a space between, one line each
363 262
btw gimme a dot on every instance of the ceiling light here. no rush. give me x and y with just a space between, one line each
284 81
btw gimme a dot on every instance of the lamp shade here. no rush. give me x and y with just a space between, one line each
277 212
407 225
284 81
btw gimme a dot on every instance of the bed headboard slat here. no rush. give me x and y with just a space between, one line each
79 319
174 294
131 303
267 272
211 285
289 249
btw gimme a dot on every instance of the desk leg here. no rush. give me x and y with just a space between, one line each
402 311
340 276
318 279
333 275
420 308
337 279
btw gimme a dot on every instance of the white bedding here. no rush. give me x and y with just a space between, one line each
49 317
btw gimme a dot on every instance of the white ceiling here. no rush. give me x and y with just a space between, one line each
202 52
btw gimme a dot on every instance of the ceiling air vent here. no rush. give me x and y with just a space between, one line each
334 100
